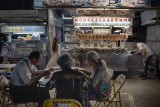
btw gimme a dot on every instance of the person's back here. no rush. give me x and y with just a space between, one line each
69 84
145 47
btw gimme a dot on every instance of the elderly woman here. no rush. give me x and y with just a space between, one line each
68 82
99 79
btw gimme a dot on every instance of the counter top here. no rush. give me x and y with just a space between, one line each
5 66
99 49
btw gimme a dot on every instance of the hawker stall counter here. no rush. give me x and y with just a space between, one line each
115 58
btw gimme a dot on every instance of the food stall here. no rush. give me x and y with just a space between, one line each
23 39
99 25
103 34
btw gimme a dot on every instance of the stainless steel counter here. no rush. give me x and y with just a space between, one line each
135 61
116 60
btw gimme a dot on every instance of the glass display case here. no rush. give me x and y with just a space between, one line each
25 47
69 33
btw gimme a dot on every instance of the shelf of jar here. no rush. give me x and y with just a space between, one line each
105 49
101 37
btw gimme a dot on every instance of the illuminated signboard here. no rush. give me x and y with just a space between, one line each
102 21
97 3
23 29
102 11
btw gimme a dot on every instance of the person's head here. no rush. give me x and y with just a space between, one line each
55 44
93 58
35 57
65 61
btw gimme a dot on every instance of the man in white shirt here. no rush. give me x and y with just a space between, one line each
147 57
24 81
144 50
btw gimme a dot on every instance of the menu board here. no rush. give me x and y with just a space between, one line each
23 29
102 21
101 11
132 3
96 3
99 2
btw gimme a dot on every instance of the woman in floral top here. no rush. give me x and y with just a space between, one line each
99 79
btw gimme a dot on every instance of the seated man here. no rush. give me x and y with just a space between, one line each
68 82
24 78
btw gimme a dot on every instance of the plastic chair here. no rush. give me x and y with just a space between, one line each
6 98
3 83
115 96
110 74
61 103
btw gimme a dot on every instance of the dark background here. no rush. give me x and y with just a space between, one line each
16 4
28 4
139 32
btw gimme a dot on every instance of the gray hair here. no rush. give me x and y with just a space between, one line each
92 56
65 61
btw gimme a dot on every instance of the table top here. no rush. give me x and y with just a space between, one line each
44 80
5 66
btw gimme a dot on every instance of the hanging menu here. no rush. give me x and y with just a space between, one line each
102 21
101 11
23 29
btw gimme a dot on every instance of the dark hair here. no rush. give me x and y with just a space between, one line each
99 62
34 54
55 44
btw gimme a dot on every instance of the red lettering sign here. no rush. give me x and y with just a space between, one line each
104 20
125 20
111 19
96 20
88 20
129 19
75 19
120 19
80 19
116 19
84 19
92 19
100 19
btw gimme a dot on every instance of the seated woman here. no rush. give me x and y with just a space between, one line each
68 82
99 79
